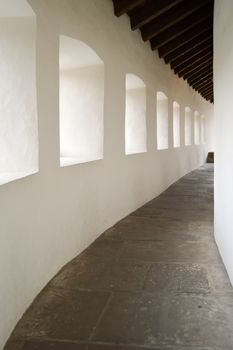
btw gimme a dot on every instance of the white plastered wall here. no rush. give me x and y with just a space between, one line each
188 126
48 218
196 128
18 117
203 128
223 87
135 115
162 121
176 124
81 114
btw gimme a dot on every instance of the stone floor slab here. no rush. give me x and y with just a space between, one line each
173 251
183 278
219 278
140 228
165 319
94 273
62 314
48 345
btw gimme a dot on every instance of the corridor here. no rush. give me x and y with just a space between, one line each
153 281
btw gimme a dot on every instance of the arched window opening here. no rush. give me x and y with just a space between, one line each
135 115
202 129
196 128
162 121
188 126
18 106
81 102
176 124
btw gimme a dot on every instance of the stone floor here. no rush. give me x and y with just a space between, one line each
153 281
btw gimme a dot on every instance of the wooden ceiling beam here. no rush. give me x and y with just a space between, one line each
189 46
209 97
206 90
182 31
124 6
178 29
193 63
202 83
196 66
200 72
193 53
196 70
152 10
172 17
196 58
207 82
186 37
199 79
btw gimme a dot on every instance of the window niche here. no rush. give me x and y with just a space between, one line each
188 126
176 124
135 115
81 102
202 129
196 128
18 105
162 121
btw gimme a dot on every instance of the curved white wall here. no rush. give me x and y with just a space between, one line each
135 115
48 218
188 126
202 128
162 121
18 116
196 128
223 92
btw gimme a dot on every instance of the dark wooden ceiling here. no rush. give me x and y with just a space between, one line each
181 31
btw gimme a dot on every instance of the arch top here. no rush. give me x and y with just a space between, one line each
15 8
76 54
134 82
187 109
176 104
161 96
